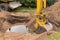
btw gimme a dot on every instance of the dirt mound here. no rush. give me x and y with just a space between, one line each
17 36
53 15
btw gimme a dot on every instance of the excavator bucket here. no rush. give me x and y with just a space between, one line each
41 29
49 27
41 21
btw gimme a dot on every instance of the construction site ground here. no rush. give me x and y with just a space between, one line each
9 19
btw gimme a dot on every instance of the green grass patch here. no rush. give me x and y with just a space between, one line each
25 10
55 36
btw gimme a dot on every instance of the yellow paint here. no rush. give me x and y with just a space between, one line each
38 13
41 22
39 7
36 25
44 3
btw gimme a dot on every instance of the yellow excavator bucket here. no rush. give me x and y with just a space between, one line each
41 17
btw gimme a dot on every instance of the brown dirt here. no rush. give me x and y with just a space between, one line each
3 20
8 19
53 15
17 36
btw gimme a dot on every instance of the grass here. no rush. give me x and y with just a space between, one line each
55 36
25 10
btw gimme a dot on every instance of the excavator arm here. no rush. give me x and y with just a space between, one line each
39 15
41 20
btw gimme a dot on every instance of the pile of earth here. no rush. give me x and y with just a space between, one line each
53 15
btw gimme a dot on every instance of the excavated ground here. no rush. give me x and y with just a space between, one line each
53 15
17 36
8 19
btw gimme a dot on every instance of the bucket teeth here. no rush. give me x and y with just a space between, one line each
49 27
40 30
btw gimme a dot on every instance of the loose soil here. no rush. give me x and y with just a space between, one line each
53 15
17 36
7 19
